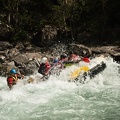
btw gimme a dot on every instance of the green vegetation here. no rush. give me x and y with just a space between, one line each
24 18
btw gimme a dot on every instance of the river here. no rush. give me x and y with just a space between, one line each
57 99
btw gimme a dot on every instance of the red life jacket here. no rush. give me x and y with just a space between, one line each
12 80
47 67
44 67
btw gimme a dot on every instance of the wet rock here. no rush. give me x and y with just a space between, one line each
113 51
30 56
2 59
21 58
27 62
80 49
11 52
5 45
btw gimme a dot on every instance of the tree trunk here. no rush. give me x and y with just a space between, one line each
63 14
9 18
104 20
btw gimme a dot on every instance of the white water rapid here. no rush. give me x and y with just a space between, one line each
57 99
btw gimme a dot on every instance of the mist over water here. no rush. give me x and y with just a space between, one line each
57 99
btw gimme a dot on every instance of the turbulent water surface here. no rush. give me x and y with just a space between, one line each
57 99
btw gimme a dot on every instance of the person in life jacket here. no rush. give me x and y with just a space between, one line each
73 57
85 58
58 63
13 77
62 60
55 61
44 66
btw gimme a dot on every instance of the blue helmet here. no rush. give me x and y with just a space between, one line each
55 61
13 71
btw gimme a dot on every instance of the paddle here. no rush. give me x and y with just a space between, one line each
36 61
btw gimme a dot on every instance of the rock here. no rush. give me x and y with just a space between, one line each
20 47
5 45
5 69
30 56
113 51
2 59
11 63
30 68
11 52
80 49
21 58
28 62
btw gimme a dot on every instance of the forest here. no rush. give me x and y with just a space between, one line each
21 20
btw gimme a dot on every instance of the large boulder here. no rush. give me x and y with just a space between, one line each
20 58
29 68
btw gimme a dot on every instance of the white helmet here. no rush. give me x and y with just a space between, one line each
44 59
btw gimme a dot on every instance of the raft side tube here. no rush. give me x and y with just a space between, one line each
96 70
91 73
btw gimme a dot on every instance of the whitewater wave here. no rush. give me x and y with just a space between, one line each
57 98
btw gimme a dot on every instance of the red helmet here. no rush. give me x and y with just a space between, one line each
85 59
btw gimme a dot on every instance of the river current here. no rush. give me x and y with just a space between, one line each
58 99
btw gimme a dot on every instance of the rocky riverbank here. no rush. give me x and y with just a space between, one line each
25 57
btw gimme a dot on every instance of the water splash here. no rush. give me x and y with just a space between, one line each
57 98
